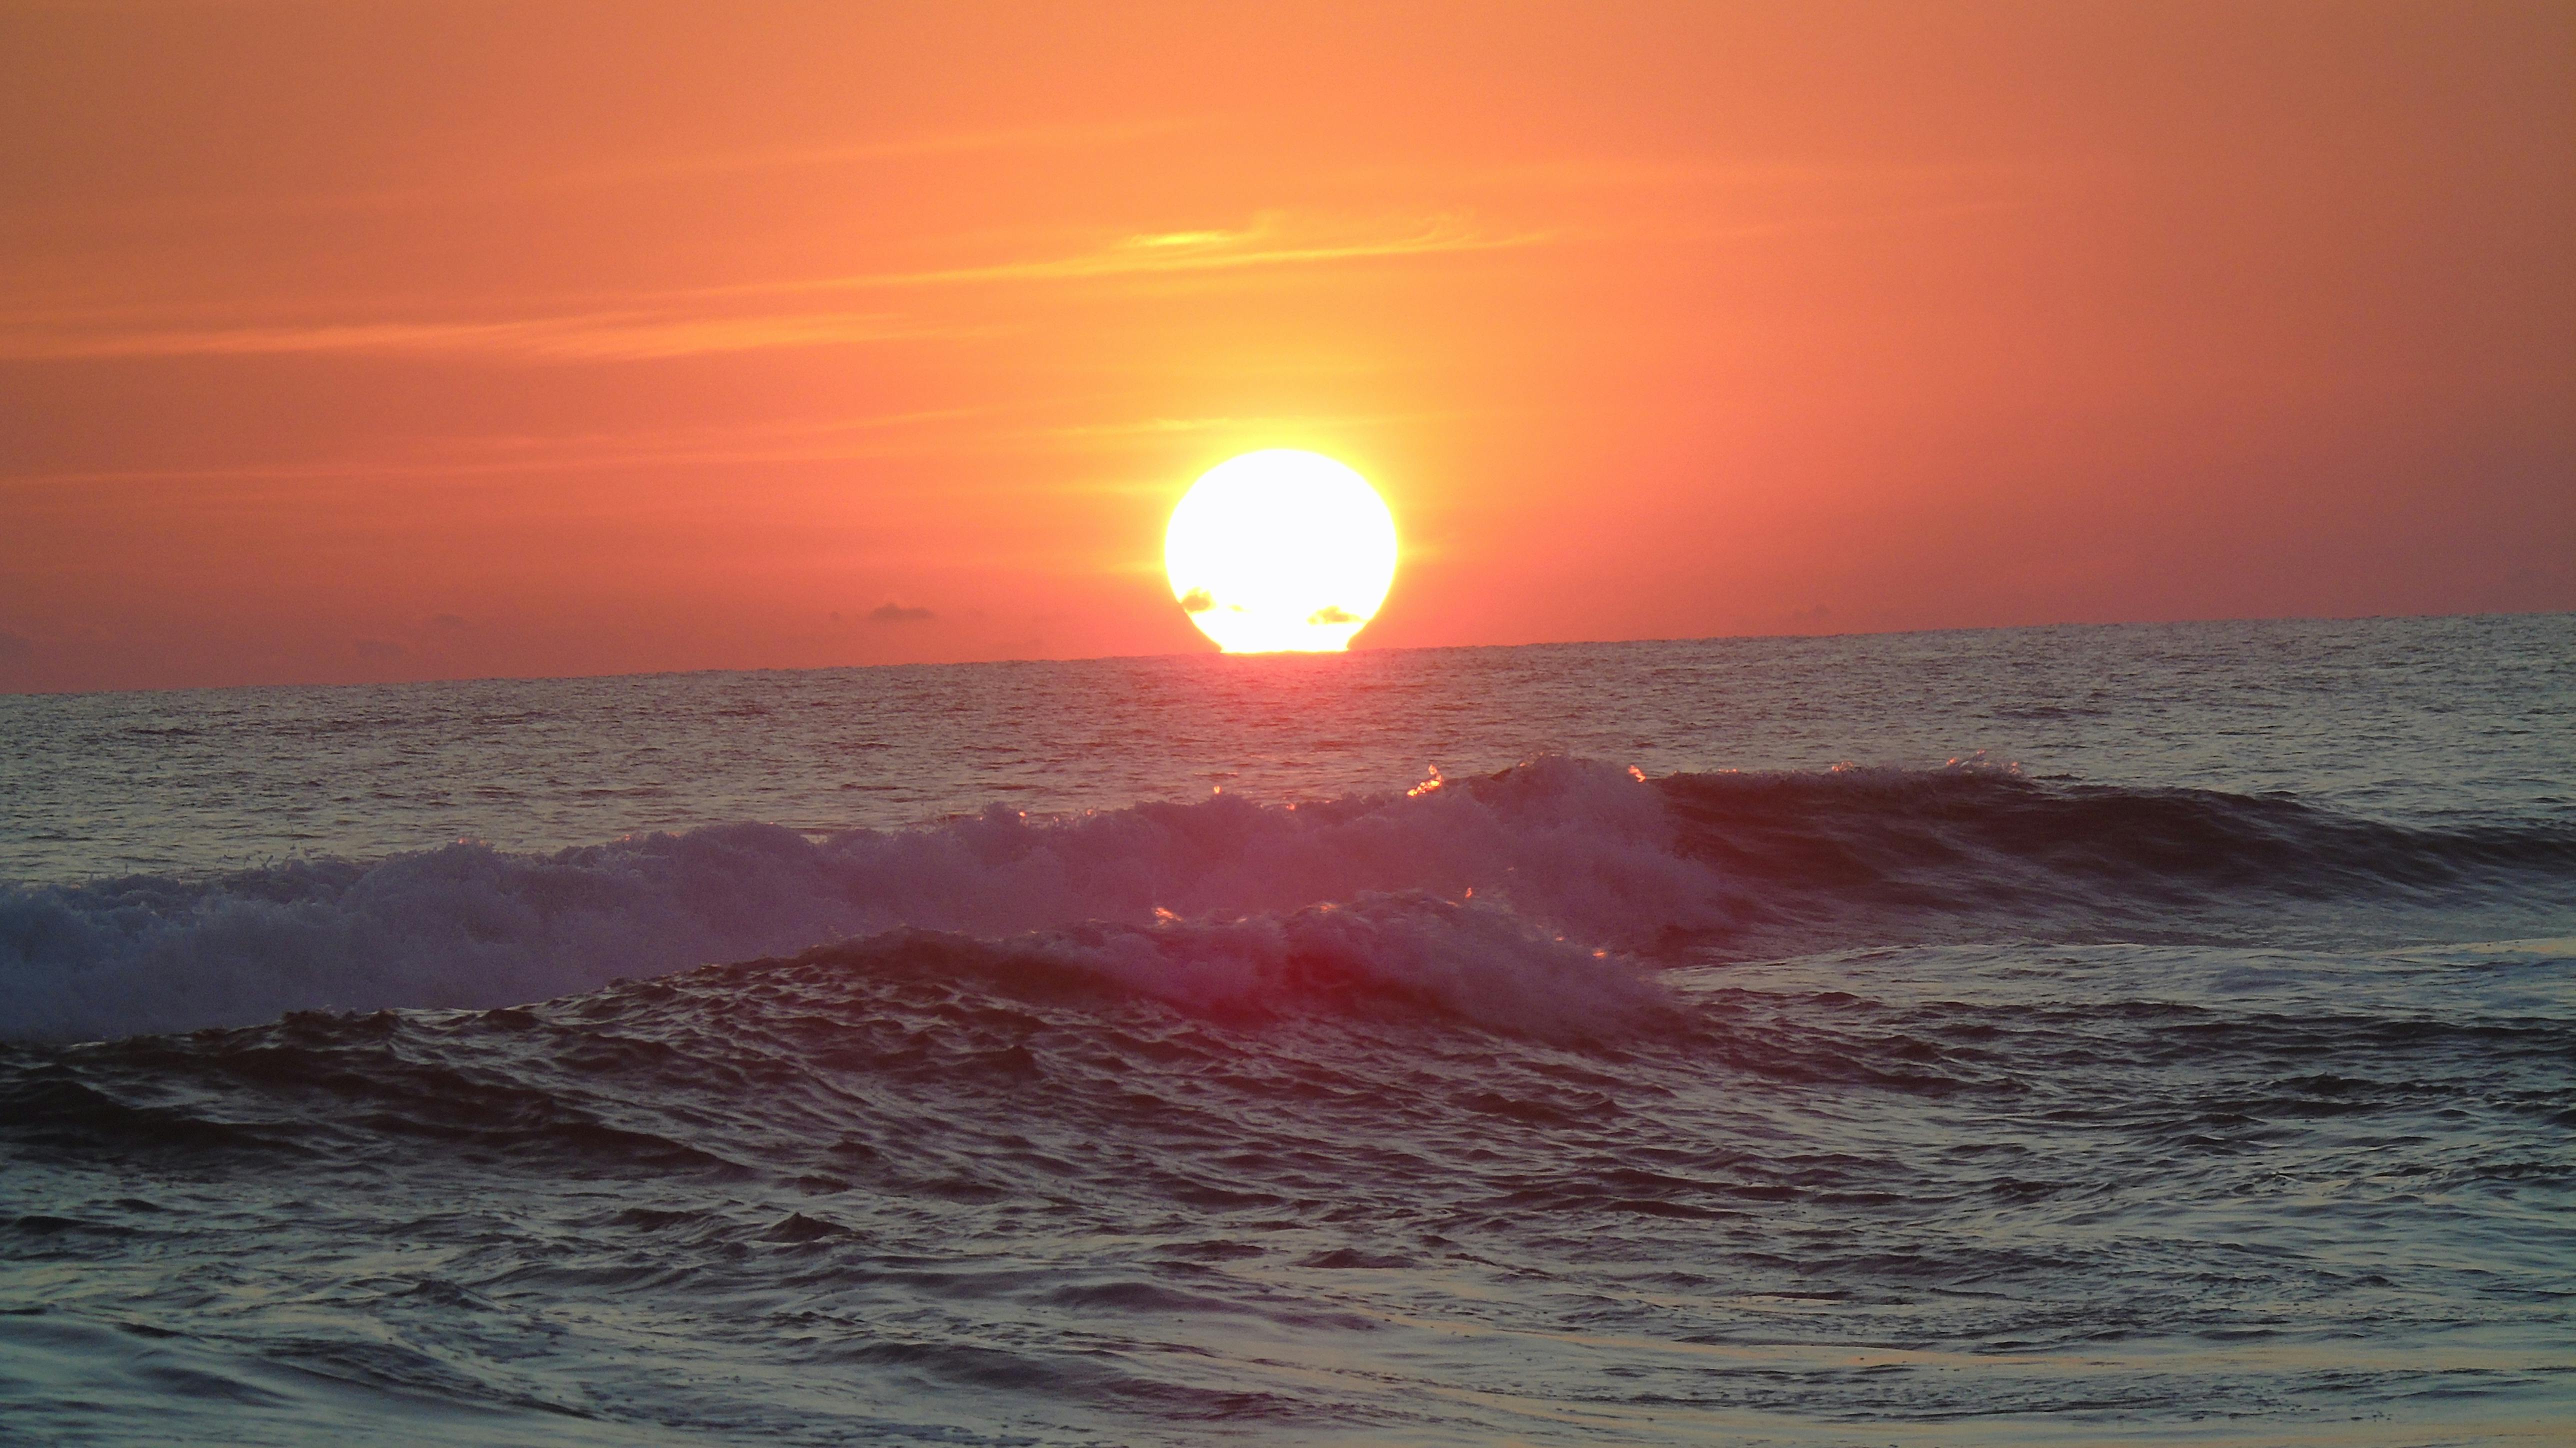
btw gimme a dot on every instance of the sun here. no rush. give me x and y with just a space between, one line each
1280 550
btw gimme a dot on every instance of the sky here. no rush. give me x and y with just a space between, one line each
369 341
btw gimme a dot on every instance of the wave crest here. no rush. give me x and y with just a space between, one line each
1579 847
1743 863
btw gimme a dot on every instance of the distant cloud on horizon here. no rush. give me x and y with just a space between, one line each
897 613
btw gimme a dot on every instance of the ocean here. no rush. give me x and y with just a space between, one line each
2159 1034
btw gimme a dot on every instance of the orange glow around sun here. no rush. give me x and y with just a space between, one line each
1280 551
367 343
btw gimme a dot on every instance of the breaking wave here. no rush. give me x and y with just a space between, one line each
1524 900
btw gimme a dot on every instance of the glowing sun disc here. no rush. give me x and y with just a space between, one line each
1280 550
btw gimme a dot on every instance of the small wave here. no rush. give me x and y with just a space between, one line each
1771 863
1913 834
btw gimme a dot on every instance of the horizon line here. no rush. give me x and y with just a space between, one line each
14 693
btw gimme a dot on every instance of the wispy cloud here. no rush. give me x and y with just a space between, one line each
615 172
947 143
596 336
694 321
834 440
1272 240
1117 436
1690 172
945 432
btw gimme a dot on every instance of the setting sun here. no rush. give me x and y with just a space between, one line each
578 637
1280 550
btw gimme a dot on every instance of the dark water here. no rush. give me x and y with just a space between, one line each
1725 1050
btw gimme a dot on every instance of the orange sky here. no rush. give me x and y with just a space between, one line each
371 341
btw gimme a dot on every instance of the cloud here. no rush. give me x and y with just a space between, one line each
699 321
727 447
648 170
1032 138
449 623
1272 239
380 650
633 335
1197 600
1334 613
897 613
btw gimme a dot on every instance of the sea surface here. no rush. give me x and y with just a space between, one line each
2079 1035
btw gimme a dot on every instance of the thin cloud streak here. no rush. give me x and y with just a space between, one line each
1094 436
568 455
612 174
537 455
1026 138
1702 173
359 468
1167 252
640 332
596 337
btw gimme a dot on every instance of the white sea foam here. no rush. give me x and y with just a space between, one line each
1776 863
1575 848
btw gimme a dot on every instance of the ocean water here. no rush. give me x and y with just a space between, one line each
2156 1034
